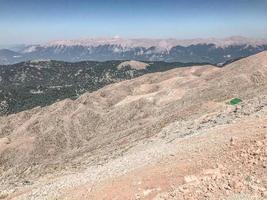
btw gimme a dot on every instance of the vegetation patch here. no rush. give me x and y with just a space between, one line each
26 85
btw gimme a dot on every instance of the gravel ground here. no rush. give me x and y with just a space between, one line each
148 152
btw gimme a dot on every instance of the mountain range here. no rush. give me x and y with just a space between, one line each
214 51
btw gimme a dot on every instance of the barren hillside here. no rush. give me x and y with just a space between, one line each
126 130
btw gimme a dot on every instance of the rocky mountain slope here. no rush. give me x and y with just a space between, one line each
83 149
212 50
39 83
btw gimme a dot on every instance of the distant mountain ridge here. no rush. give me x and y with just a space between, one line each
164 44
7 56
214 51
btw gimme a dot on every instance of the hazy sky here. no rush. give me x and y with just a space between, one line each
32 21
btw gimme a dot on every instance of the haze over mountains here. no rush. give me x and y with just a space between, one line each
214 51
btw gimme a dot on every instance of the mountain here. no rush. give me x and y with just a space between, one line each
14 47
8 56
214 51
42 82
175 126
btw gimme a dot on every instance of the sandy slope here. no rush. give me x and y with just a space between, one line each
50 152
211 167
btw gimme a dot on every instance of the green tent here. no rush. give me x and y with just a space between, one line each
235 101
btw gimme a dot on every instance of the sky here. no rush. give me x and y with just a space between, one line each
39 21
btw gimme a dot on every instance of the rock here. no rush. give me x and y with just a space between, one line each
244 155
233 141
147 192
26 182
137 197
264 194
183 189
220 167
3 194
257 152
4 140
207 194
191 179
212 171
259 143
253 188
254 162
237 185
